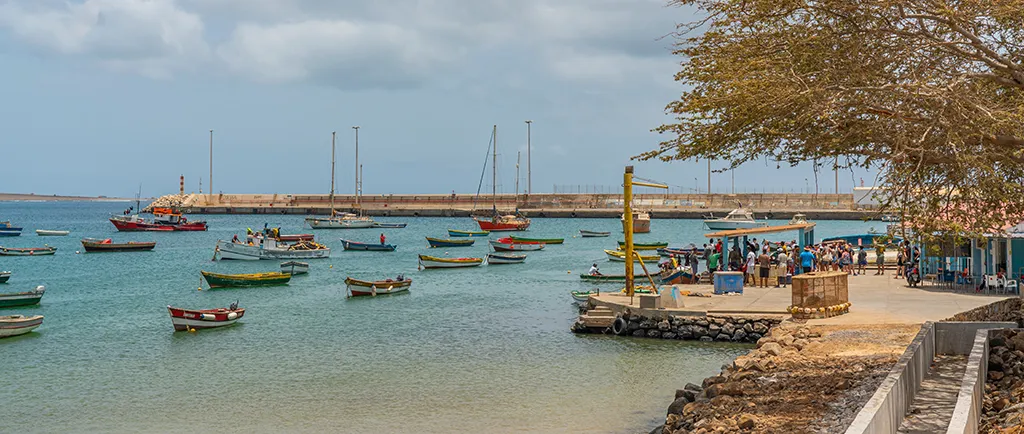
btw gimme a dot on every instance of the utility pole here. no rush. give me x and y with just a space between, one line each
529 168
210 180
837 175
709 177
357 164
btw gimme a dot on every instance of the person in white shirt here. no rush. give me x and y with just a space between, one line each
594 271
751 266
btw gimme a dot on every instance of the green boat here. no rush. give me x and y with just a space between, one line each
235 280
537 240
610 277
644 246
459 233
28 298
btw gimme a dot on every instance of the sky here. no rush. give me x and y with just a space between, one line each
100 96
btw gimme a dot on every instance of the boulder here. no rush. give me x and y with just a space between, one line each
639 333
664 325
647 324
785 340
772 348
676 407
740 321
632 326
728 329
706 339
684 332
660 429
693 387
712 381
739 335
713 330
801 333
668 335
722 337
799 344
760 328
995 375
746 421
723 389
699 331
748 327
652 333
765 340
703 322
754 337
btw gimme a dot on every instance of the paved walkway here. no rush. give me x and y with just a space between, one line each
876 300
933 405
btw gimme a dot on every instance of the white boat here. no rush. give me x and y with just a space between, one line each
14 325
294 267
798 219
341 221
268 249
46 233
739 218
499 258
641 222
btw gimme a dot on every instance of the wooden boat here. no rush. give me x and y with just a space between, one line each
438 242
97 245
342 221
435 262
515 247
217 280
459 233
524 240
582 296
372 247
164 220
294 267
185 319
620 256
4 276
644 246
8 230
593 234
272 249
503 223
28 251
673 251
609 277
509 240
291 238
641 222
498 222
677 276
14 325
389 225
27 298
498 258
47 233
358 287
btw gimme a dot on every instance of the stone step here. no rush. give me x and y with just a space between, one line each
597 322
601 311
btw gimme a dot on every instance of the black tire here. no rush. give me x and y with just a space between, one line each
620 326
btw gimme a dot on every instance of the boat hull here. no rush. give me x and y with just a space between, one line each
618 256
184 319
593 234
22 298
514 247
610 277
724 225
38 251
296 237
15 325
435 262
436 242
389 225
10 233
244 252
5 276
458 233
368 247
294 268
523 240
216 280
581 296
94 247
337 223
503 226
493 259
644 246
358 288
143 226
46 233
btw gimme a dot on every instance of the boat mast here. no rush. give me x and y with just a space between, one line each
333 134
357 169
138 198
494 172
518 155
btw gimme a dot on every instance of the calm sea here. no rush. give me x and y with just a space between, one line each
472 350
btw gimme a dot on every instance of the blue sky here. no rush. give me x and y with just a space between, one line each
101 95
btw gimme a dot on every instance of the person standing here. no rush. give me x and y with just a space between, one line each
880 259
806 260
382 238
765 263
750 268
783 266
862 261
713 262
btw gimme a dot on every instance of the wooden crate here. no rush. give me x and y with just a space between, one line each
824 293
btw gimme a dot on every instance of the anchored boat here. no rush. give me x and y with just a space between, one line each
438 242
294 267
8 230
185 319
500 246
47 233
644 246
525 240
217 280
270 248
14 325
435 262
27 251
619 256
739 218
593 234
458 233
389 225
4 276
97 245
164 219
352 245
641 222
358 287
27 298
500 258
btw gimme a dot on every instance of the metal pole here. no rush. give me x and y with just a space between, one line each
333 135
709 176
529 168
837 175
357 165
627 226
210 181
494 171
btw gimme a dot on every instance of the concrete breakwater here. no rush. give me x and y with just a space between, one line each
779 206
698 328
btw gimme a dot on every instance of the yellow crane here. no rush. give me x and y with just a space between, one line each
627 227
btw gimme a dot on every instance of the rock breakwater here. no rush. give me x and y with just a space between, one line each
1003 410
698 328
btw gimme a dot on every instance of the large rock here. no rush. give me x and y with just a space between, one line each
647 324
799 344
699 331
748 327
652 333
785 340
714 330
717 321
660 429
664 325
676 407
639 333
722 337
728 329
703 322
708 382
760 328
772 348
706 339
723 389
763 341
632 326
668 335
684 332
747 421
739 335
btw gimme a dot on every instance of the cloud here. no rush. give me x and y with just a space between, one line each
151 37
353 44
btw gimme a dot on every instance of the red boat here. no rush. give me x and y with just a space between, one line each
184 319
505 223
507 240
164 219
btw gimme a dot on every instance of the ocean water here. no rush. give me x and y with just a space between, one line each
486 349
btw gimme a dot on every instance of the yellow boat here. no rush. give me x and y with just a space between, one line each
619 256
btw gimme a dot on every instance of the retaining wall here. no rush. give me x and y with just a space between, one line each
969 401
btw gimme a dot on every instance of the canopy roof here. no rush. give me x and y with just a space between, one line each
759 230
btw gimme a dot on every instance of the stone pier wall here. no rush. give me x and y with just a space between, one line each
742 329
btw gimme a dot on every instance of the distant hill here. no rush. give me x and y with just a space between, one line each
55 198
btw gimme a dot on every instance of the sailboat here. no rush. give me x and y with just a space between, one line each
499 222
343 220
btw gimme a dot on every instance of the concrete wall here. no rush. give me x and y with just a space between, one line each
959 337
969 401
885 411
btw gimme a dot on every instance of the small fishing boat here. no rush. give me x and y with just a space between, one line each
164 219
358 287
620 256
515 247
270 248
582 296
438 242
498 258
435 262
185 319
593 234
509 240
294 267
97 245
644 246
8 230
609 277
524 240
14 325
372 247
460 233
47 233
28 251
798 219
676 276
673 251
27 298
641 222
217 280
291 238
389 225
4 276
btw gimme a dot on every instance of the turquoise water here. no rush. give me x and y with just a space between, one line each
483 349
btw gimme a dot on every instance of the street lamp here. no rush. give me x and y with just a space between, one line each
529 171
696 186
357 163
807 186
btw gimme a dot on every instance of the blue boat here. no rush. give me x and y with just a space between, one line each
7 230
438 242
458 233
371 247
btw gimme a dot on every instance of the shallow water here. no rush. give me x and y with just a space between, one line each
482 349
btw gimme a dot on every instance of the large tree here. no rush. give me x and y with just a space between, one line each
929 93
